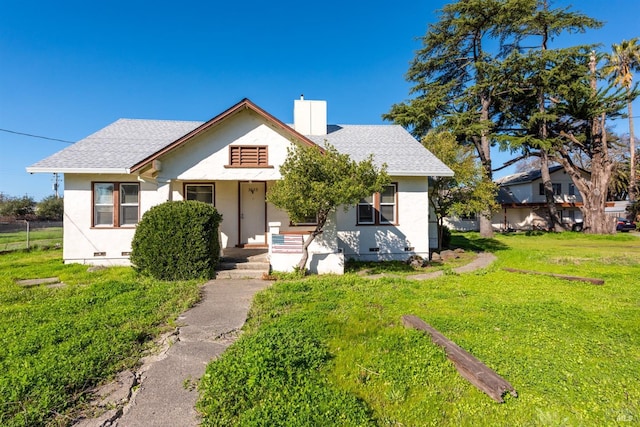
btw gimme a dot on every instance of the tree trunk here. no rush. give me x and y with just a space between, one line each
322 220
440 232
632 155
555 222
484 151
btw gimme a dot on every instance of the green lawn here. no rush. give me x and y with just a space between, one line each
333 351
17 240
56 343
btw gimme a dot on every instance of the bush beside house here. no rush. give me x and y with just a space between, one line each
177 241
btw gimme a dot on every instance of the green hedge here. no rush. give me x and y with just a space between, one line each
177 241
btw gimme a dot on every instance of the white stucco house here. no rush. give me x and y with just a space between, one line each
112 177
523 204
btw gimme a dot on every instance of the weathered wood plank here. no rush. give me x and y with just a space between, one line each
559 276
27 283
469 367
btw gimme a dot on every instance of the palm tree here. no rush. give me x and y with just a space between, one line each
621 64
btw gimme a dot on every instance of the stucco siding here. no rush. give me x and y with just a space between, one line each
94 245
390 242
206 156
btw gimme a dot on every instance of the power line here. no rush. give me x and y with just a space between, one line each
36 136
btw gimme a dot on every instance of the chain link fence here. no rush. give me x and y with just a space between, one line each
23 234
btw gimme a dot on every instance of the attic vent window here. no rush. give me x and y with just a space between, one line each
248 156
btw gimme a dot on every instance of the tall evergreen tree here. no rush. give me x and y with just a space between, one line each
459 74
541 69
623 61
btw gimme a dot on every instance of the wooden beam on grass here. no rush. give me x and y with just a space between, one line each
559 276
476 372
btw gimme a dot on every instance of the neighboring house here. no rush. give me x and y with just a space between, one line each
115 175
524 205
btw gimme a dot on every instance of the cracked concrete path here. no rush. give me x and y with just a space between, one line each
165 386
167 394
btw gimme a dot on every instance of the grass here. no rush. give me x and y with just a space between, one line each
57 343
402 269
571 349
17 240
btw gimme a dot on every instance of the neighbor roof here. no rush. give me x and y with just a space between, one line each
522 177
128 144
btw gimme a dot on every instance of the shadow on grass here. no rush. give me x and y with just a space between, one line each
377 267
473 242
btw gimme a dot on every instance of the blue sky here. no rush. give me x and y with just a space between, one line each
69 68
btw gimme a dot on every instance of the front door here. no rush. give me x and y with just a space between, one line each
253 219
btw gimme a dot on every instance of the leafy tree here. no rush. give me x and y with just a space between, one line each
620 66
50 208
316 181
17 207
467 191
583 108
457 76
470 71
533 74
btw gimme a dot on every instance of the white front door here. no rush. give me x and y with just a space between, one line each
252 213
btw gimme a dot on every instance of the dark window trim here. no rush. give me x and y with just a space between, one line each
212 184
116 205
376 210
556 186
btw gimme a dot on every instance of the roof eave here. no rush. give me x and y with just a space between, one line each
37 169
418 173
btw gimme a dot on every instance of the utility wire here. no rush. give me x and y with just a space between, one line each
36 136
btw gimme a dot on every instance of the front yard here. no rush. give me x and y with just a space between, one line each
333 351
57 342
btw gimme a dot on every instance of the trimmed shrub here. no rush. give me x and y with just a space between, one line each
177 241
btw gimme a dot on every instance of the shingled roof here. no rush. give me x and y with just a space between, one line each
522 177
390 144
128 143
115 148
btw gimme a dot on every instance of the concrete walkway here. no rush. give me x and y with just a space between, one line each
165 390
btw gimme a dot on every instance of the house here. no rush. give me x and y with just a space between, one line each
523 205
112 177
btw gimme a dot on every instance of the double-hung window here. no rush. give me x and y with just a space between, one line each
200 192
379 208
115 204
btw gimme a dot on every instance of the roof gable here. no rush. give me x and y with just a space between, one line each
216 121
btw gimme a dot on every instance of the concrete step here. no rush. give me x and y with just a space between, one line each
240 274
243 265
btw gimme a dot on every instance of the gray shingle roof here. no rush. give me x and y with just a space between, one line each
522 177
118 146
124 143
390 144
